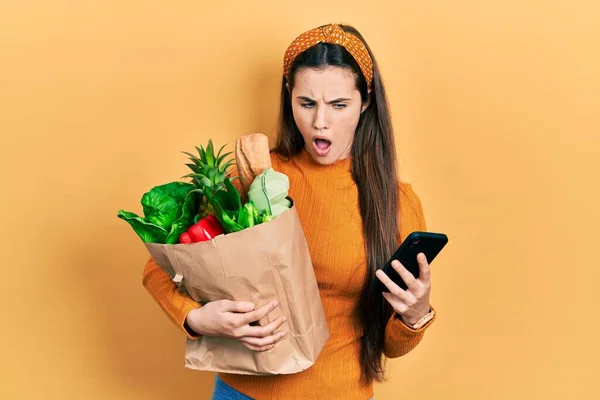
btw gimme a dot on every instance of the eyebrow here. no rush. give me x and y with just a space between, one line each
341 99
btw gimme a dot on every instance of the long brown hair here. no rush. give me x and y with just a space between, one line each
374 172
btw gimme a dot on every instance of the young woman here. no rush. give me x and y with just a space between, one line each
335 142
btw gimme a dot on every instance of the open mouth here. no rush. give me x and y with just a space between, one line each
321 146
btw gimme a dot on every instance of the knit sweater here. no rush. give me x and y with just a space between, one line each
326 199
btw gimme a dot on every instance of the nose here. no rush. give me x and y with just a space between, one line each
321 118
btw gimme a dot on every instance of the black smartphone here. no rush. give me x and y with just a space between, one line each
428 243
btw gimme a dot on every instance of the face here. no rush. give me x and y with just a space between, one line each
326 105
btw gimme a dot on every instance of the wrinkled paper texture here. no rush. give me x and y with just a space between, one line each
267 262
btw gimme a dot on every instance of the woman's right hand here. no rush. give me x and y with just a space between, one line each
232 319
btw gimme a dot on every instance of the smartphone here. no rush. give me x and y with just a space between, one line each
428 243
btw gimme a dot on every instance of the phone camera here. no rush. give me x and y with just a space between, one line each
416 241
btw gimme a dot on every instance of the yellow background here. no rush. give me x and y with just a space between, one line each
495 106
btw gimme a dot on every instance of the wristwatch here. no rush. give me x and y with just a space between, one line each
424 319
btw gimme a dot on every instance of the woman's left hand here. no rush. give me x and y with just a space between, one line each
412 303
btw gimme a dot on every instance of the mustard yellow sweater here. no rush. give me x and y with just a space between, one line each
326 199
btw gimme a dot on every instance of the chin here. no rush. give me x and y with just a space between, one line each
323 160
331 157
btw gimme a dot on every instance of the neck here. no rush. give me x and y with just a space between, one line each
340 167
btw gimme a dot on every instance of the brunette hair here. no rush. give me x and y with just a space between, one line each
374 172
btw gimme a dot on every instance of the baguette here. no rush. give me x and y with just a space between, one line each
252 157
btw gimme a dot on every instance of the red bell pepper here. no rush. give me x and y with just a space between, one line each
206 229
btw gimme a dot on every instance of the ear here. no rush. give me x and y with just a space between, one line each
366 105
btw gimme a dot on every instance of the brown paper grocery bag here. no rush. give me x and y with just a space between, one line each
267 262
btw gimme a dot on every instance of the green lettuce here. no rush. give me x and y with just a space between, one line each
169 211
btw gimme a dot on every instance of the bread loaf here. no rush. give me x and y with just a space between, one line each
252 158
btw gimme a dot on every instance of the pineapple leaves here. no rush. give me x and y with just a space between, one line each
220 159
170 209
196 191
193 167
227 165
220 150
210 154
201 153
205 182
211 174
219 178
191 156
199 180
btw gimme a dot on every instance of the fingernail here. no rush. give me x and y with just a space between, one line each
282 334
275 304
284 319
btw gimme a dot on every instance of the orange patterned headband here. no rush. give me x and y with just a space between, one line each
330 34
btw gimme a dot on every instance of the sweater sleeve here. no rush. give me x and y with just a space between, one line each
175 304
400 338
168 296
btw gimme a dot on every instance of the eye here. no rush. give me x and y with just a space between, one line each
308 105
339 106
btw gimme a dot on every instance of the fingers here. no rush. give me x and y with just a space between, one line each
262 343
255 315
407 277
424 269
261 331
257 349
392 287
398 305
408 303
237 306
264 337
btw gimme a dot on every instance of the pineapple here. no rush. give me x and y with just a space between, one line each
208 172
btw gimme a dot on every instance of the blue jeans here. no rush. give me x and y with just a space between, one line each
225 392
